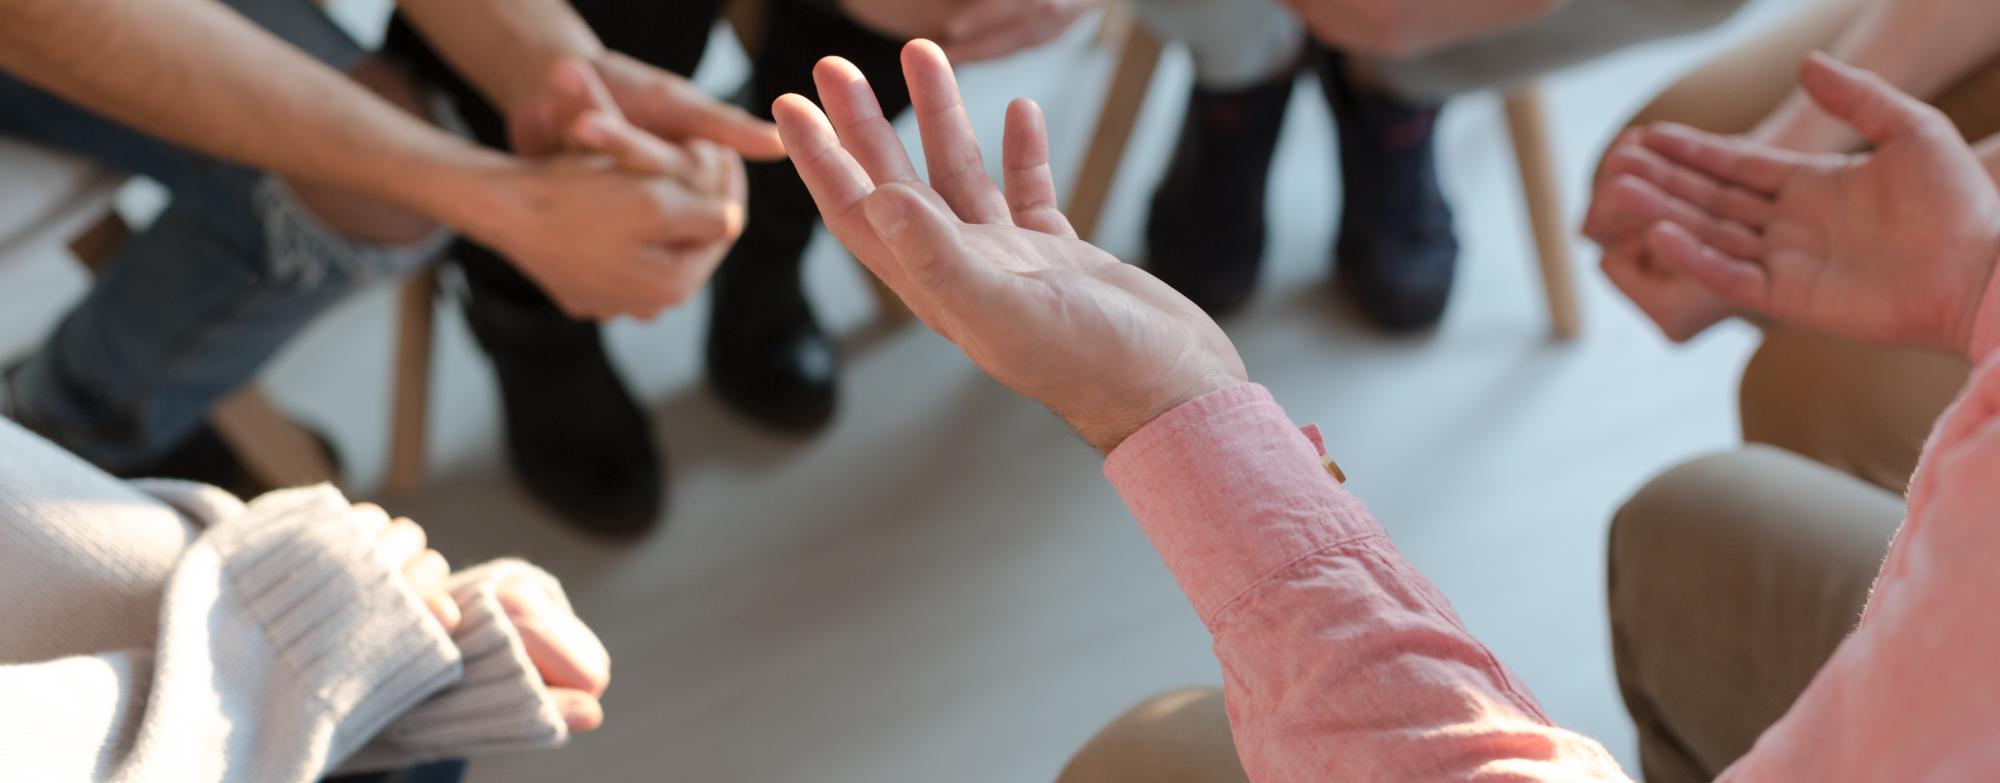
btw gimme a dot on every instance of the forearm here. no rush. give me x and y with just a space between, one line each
1340 660
1920 46
195 73
507 47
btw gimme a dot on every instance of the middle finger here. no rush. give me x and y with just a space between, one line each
951 152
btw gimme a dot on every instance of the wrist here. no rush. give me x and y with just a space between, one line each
1975 331
476 191
1107 432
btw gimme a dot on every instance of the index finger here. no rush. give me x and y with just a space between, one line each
837 183
1760 169
858 120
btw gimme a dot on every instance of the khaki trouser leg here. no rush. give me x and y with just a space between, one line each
1733 578
1863 410
1176 737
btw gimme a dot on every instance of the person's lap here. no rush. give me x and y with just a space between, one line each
1732 579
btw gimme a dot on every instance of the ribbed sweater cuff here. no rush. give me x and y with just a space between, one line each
345 623
501 704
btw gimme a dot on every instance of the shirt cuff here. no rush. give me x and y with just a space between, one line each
1230 493
348 626
501 705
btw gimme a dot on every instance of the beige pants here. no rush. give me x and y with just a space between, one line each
1732 577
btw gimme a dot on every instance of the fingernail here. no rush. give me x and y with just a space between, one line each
887 214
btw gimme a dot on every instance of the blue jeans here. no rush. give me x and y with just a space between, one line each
193 306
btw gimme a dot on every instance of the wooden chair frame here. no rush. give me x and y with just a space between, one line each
1139 55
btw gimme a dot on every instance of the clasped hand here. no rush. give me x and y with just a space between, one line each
572 663
638 190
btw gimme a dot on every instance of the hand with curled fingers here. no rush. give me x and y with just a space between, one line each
401 545
568 657
572 663
1893 247
998 270
622 221
1624 204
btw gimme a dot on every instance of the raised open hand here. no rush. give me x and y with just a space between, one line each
1893 247
999 272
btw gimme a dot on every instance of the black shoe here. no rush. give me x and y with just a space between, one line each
576 438
1205 234
203 457
767 357
1396 254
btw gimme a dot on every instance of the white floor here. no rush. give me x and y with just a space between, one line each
943 587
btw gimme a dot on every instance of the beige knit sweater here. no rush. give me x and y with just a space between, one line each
164 631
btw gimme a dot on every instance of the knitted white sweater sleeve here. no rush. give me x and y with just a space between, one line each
284 648
284 645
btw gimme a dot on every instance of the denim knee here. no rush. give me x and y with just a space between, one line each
302 251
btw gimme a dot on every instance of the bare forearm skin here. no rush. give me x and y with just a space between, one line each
1922 47
507 47
197 74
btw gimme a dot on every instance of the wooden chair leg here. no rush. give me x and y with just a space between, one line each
1527 122
279 452
1138 56
96 244
417 311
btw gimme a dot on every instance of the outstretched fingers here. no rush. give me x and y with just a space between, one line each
1735 280
1030 185
857 118
951 152
837 182
1644 203
1729 159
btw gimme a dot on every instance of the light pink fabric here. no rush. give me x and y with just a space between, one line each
1341 662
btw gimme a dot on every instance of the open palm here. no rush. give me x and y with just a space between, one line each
1002 274
1893 247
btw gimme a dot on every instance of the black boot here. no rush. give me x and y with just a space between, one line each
1396 254
767 356
577 439
1205 234
201 456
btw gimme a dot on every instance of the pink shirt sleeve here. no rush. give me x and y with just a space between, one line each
1911 695
1339 660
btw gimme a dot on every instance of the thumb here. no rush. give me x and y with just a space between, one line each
576 90
1864 100
929 250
